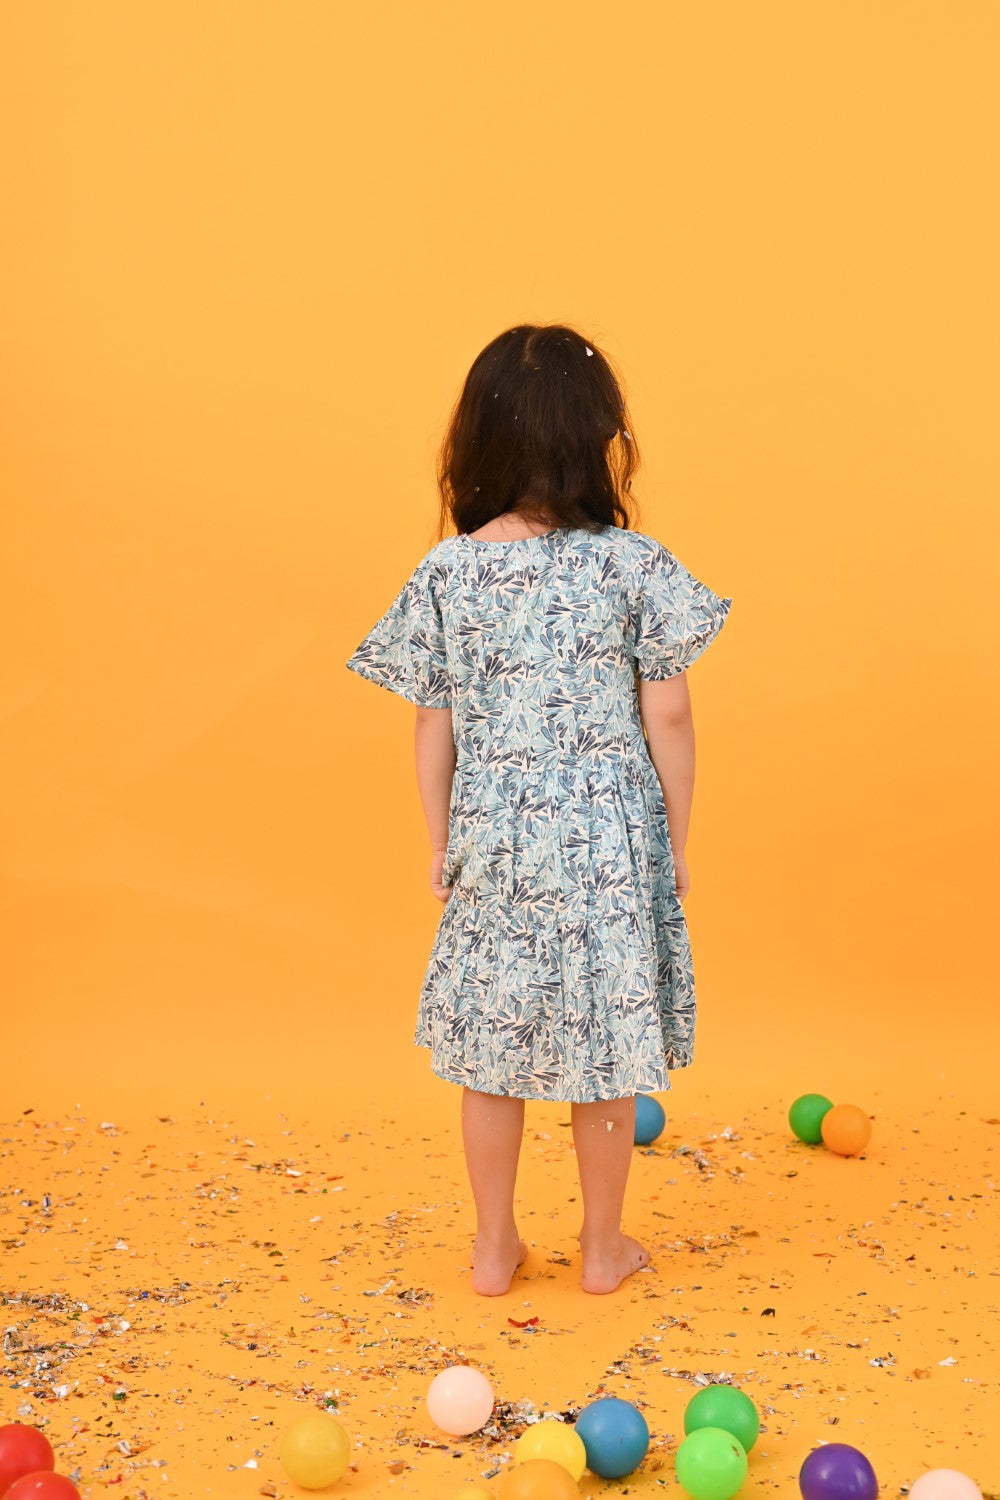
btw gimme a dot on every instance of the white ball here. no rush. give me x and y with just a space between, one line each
460 1400
945 1484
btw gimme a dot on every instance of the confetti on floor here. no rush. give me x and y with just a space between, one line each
170 1305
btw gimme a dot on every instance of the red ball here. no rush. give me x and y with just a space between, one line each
43 1485
23 1450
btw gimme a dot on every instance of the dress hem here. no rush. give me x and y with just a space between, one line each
550 1098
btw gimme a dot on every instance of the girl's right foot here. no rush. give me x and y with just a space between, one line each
606 1266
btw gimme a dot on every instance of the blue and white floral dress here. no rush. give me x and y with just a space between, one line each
561 968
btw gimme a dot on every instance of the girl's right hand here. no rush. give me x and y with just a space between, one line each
682 881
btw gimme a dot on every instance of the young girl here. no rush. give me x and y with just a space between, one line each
545 647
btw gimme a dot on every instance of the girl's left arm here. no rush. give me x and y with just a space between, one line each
434 748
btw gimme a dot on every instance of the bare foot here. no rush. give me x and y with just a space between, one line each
606 1268
493 1266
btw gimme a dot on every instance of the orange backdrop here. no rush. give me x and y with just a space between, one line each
251 252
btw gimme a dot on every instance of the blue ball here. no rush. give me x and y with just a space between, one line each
615 1436
649 1119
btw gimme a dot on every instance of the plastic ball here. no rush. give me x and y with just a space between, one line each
538 1479
615 1436
806 1115
846 1129
837 1472
23 1450
43 1485
727 1407
945 1484
556 1441
315 1451
459 1400
649 1119
472 1492
711 1464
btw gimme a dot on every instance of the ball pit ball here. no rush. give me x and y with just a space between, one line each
315 1451
837 1472
23 1450
846 1129
945 1484
649 1119
538 1479
806 1115
711 1464
44 1484
556 1441
727 1407
459 1400
472 1492
615 1437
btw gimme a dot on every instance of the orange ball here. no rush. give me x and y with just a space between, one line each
538 1479
846 1129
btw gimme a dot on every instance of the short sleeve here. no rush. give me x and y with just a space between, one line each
405 650
674 615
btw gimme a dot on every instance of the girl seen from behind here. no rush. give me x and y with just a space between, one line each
545 646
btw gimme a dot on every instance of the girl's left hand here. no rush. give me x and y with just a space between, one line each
442 892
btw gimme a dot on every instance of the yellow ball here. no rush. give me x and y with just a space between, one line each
315 1451
473 1492
538 1479
556 1441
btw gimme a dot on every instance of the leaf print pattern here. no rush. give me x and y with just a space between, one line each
405 650
561 967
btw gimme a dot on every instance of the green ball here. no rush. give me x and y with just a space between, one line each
726 1407
711 1464
806 1116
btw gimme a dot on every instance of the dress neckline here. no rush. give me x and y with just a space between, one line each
510 541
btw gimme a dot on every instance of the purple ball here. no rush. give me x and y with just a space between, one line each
837 1472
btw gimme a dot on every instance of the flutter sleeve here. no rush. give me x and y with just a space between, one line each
405 650
674 616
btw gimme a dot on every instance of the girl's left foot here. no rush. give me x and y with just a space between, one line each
493 1266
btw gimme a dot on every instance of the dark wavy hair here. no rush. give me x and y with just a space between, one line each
541 426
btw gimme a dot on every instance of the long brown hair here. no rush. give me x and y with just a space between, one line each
541 425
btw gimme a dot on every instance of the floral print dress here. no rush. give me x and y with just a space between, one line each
561 967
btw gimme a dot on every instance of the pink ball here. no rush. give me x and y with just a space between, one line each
460 1400
944 1484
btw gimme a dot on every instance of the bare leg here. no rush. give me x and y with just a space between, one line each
492 1126
604 1136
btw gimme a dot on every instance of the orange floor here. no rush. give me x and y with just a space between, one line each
160 1272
